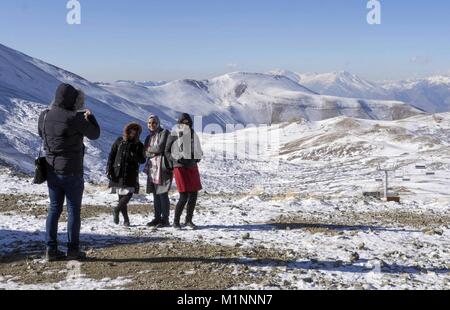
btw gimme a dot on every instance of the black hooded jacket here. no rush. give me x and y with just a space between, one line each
124 159
64 130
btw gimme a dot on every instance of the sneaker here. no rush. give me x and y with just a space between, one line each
76 255
191 225
52 255
153 223
177 226
126 223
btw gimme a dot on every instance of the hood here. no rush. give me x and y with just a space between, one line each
187 117
127 130
68 98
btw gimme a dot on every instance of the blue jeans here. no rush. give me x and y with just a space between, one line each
162 207
71 188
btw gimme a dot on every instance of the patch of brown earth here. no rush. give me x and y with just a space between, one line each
337 223
169 265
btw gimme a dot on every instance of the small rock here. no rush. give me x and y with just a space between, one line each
433 231
246 236
438 231
361 246
418 245
308 280
354 257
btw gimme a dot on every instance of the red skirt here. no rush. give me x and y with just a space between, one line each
187 179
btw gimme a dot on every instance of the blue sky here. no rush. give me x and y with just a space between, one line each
170 39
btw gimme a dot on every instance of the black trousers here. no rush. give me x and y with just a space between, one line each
189 199
123 204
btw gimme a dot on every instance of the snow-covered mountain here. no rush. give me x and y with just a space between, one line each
431 94
27 86
341 84
254 98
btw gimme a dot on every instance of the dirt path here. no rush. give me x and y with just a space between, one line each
162 264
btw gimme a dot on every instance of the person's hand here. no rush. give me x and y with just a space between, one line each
87 114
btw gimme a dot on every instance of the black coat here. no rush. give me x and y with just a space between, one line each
64 133
123 164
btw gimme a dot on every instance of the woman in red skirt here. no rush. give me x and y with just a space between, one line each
184 152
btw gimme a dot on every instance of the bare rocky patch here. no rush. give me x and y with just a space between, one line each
164 264
335 223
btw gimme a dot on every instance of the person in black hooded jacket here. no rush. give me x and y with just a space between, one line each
63 128
127 153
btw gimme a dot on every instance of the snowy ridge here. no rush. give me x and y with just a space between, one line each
246 98
340 84
431 94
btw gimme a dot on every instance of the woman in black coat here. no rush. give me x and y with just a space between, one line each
127 153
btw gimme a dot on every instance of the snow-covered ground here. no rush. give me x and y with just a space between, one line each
306 205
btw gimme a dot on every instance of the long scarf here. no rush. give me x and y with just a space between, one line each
155 171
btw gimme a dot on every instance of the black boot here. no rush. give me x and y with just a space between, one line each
190 212
116 214
126 219
176 221
176 225
75 254
53 255
163 224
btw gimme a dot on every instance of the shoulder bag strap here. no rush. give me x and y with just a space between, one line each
43 132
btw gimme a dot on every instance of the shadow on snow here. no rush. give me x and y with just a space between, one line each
17 245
